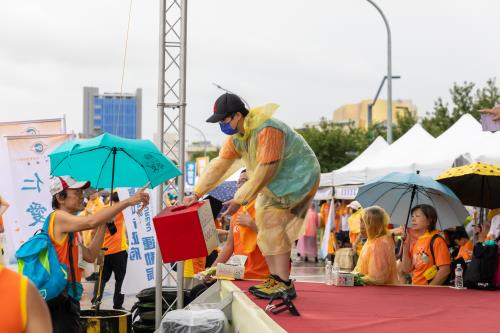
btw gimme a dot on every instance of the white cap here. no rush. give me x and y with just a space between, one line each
61 183
354 205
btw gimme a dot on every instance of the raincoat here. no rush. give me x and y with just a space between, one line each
377 261
282 168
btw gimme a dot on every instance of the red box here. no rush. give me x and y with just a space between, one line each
185 232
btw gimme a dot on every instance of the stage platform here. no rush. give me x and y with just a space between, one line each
368 309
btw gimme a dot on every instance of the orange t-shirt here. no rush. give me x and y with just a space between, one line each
245 243
13 296
117 242
465 250
270 143
422 257
62 250
1 220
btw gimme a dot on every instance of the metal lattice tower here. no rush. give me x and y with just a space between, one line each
171 121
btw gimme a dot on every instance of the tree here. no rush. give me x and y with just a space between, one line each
464 100
335 145
404 121
211 154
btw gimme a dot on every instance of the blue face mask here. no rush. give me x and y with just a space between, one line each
227 129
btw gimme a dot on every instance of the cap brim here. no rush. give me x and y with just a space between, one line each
82 185
215 118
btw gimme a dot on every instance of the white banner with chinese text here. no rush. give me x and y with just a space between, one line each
27 186
142 245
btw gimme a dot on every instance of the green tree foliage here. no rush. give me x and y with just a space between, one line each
211 154
464 100
336 145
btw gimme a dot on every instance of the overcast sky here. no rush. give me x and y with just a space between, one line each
308 56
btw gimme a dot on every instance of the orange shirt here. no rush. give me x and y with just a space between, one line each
269 142
117 242
465 250
62 250
245 243
422 257
341 210
13 295
1 220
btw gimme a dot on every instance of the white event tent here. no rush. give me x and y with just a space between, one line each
354 172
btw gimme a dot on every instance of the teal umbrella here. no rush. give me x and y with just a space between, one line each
108 161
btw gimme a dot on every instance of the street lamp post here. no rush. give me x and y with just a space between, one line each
204 138
389 73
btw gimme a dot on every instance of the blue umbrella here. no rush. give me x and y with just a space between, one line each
224 192
398 192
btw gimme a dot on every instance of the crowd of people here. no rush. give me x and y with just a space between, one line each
385 254
272 210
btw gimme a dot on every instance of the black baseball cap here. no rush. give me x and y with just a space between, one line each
227 105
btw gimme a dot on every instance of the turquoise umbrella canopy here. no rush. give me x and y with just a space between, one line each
109 161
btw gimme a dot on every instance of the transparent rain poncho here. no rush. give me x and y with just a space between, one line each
377 261
282 168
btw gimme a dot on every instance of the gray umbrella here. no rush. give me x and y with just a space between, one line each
398 192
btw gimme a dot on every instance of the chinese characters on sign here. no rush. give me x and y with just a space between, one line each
34 184
142 245
37 212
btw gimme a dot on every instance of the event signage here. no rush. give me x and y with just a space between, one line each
142 244
27 190
346 192
190 173
33 127
201 165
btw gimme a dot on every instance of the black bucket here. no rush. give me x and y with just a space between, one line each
106 321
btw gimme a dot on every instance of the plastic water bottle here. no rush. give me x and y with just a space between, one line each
328 273
335 271
459 277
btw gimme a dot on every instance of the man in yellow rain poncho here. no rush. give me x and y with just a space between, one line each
283 177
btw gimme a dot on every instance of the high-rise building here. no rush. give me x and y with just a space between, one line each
115 113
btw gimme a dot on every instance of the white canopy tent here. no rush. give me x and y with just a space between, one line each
418 150
463 137
398 156
354 172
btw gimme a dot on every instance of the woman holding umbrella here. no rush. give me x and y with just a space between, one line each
428 259
64 225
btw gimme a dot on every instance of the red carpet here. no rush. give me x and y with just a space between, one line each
387 309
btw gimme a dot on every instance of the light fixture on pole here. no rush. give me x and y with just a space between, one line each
370 106
204 138
389 73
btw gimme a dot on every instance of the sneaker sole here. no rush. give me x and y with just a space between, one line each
268 296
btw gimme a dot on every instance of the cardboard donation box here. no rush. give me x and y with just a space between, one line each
185 232
343 279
